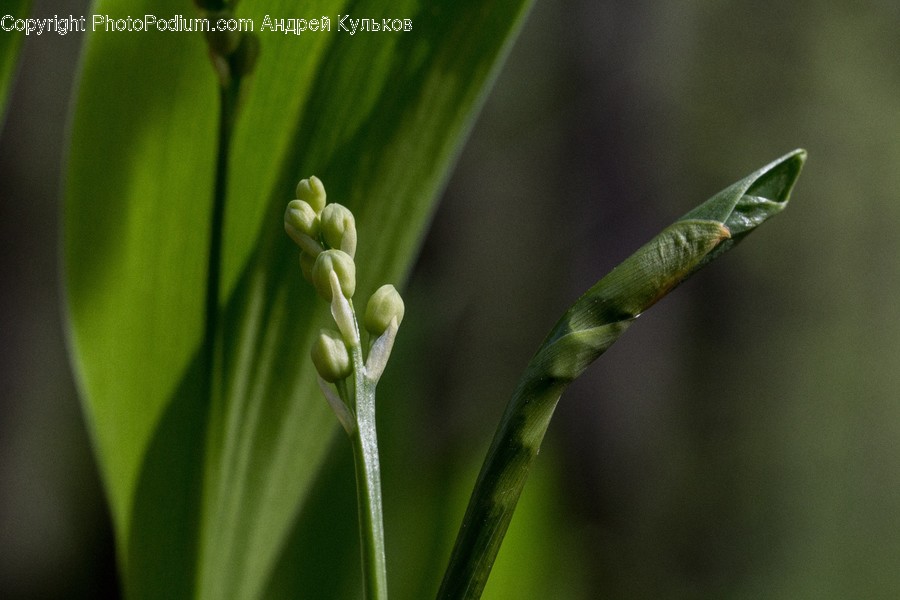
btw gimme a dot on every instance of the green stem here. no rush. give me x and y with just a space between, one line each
227 107
368 485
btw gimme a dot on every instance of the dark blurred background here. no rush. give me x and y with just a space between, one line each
740 441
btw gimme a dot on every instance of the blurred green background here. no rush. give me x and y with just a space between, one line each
740 441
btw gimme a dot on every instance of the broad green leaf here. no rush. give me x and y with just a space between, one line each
204 490
10 42
581 335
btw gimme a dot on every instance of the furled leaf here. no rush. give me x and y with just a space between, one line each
204 490
583 333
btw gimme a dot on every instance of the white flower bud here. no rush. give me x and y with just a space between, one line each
338 228
342 265
301 223
384 305
312 191
330 356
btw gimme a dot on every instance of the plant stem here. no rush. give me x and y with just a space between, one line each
227 108
368 485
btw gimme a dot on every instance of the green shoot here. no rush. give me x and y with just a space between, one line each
583 333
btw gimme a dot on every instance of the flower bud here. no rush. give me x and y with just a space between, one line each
311 190
339 228
301 223
342 265
384 305
330 356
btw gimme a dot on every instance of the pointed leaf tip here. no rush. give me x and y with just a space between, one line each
776 180
743 206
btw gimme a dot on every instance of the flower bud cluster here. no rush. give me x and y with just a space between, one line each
326 235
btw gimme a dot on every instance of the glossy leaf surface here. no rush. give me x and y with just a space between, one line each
204 490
